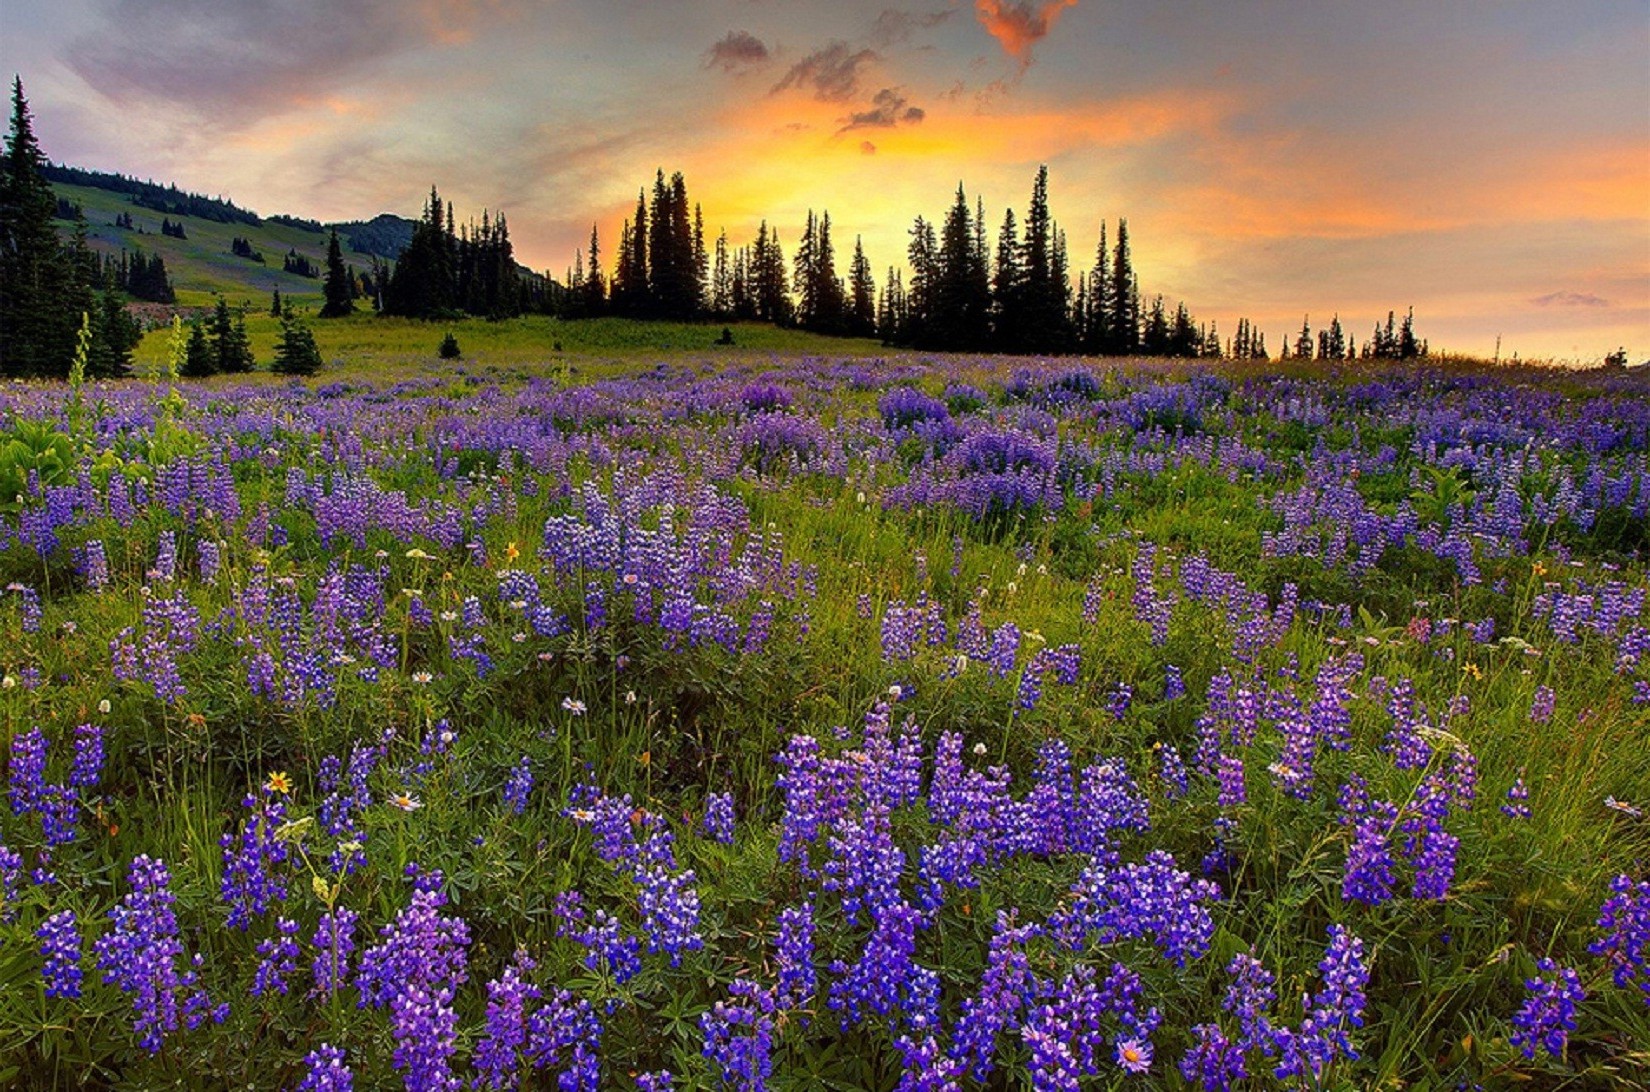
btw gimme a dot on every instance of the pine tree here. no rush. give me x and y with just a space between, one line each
721 281
199 360
595 291
39 324
337 288
296 352
1303 343
231 347
275 309
862 316
1043 310
1154 340
1408 348
1007 288
961 305
1122 300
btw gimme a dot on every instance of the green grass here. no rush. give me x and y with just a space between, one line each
371 347
202 266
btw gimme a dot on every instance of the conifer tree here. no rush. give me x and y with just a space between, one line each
862 316
275 308
199 360
960 315
337 289
39 326
1303 343
593 286
231 347
296 352
1006 287
1122 300
721 281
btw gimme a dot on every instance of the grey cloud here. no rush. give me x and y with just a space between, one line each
230 61
740 49
831 73
888 109
1570 299
894 27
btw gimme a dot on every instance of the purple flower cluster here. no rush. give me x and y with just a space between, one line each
140 956
253 864
1548 1014
59 937
1624 922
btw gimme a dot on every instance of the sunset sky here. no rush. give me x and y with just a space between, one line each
1486 162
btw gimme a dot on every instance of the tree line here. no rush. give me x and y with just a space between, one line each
960 293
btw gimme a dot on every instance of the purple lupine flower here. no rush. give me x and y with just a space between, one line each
26 773
499 1056
739 1036
719 821
669 906
425 1027
606 944
334 942
1152 898
1213 1062
1517 805
327 1071
884 980
1549 1013
1368 878
1172 771
87 768
1541 706
519 786
564 1038
253 878
1624 919
277 959
1229 772
1249 997
11 871
658 1081
59 938
794 953
1337 1005
139 955
1006 987
421 945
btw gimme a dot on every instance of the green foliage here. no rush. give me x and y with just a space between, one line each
449 347
296 354
34 448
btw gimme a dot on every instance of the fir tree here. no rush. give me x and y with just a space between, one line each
296 352
39 324
275 308
721 281
595 290
1303 343
199 360
231 347
337 289
862 316
1007 287
1122 301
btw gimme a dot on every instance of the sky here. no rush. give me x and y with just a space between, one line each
1487 163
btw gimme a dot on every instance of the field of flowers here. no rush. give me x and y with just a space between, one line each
805 723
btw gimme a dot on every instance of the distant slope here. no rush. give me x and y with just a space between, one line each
203 265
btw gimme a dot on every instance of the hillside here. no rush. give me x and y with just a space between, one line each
202 264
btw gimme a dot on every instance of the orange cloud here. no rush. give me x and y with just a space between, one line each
1017 24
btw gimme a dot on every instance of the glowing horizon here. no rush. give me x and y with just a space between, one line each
1487 164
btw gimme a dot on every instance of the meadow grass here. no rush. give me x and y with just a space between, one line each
344 546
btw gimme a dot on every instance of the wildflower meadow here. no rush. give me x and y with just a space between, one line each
756 722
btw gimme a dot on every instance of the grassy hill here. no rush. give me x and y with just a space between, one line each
202 266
